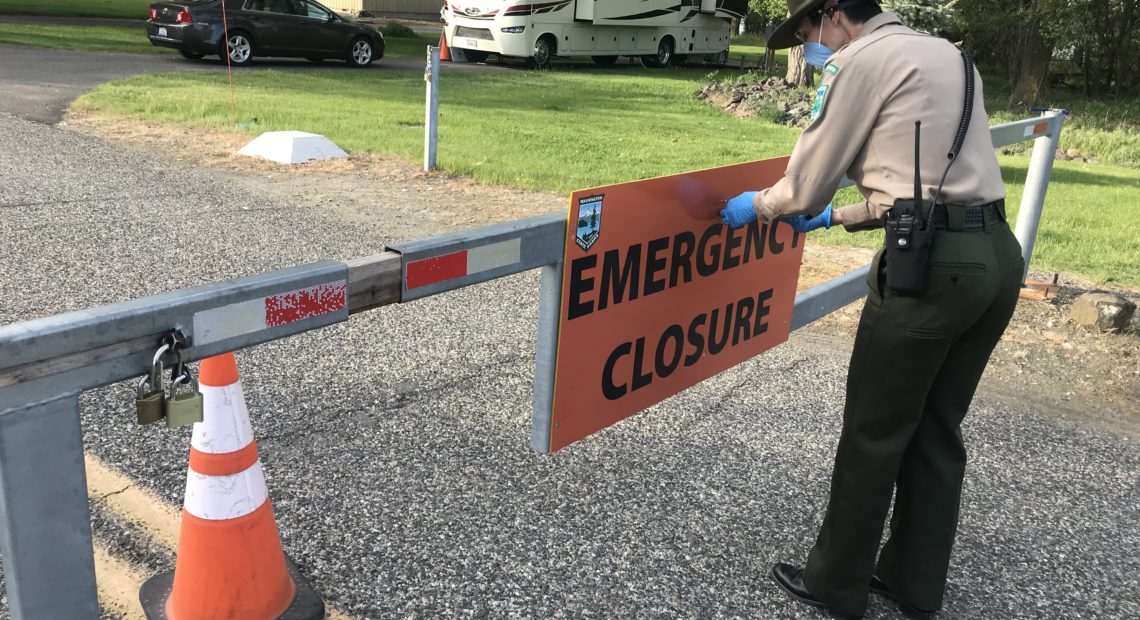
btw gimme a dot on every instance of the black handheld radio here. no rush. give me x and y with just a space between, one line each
909 236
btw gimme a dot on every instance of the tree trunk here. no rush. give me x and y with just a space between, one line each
799 73
1030 70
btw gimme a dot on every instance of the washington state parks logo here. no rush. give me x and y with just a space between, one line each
589 221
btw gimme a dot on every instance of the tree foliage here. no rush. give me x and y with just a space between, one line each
768 11
933 16
1097 42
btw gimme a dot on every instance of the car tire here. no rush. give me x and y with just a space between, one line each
663 57
188 55
476 55
239 49
543 51
605 61
360 52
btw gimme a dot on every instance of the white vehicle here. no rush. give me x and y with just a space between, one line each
660 31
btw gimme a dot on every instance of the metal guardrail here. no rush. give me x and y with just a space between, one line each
45 532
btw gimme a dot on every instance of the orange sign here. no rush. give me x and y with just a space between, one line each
658 294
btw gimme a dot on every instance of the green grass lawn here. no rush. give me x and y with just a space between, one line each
1091 222
139 9
1106 129
90 38
566 130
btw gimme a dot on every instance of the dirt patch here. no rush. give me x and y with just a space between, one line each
1044 357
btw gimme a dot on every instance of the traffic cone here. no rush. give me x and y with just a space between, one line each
230 563
444 52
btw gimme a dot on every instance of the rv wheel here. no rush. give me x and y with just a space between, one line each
542 53
664 54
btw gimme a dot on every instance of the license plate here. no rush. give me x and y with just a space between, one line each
162 32
471 43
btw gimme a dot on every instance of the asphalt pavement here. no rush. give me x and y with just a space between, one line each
396 445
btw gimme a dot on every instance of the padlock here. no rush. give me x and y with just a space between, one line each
183 409
150 404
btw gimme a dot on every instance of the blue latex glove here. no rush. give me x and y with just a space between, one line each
738 211
803 223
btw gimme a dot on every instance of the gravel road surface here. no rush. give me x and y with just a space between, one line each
396 445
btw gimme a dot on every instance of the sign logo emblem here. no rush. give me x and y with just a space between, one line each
589 221
471 10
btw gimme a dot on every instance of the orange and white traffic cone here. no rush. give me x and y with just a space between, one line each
444 51
230 562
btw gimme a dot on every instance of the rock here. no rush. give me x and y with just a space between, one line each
1103 311
1059 155
1134 323
1073 153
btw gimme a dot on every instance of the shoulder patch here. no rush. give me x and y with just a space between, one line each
820 101
831 68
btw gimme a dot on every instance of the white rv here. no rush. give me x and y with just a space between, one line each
659 31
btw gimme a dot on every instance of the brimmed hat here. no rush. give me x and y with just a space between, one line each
785 34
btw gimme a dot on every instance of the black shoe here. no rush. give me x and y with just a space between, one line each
907 609
791 580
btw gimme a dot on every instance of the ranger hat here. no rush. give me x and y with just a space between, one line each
785 34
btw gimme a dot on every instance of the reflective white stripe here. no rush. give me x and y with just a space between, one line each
225 497
229 321
225 421
494 255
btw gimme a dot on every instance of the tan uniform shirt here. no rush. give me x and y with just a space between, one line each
872 92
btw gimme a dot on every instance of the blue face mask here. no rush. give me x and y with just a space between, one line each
815 52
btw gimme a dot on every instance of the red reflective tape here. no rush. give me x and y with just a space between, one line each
436 269
1040 128
313 301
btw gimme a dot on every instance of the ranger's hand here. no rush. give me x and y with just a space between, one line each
804 224
738 211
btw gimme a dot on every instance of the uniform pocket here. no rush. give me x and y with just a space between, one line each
923 333
962 268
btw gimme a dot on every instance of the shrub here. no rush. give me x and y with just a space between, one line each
398 31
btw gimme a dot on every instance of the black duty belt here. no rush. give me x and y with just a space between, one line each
980 217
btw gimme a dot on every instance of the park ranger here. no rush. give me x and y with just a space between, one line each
941 291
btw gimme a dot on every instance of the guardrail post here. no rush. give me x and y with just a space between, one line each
546 351
431 119
1036 182
45 521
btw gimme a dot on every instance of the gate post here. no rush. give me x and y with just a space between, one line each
45 521
1036 182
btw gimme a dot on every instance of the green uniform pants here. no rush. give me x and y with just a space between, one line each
913 372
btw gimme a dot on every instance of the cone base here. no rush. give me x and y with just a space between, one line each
306 605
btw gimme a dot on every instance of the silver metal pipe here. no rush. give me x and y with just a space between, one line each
1036 183
431 115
